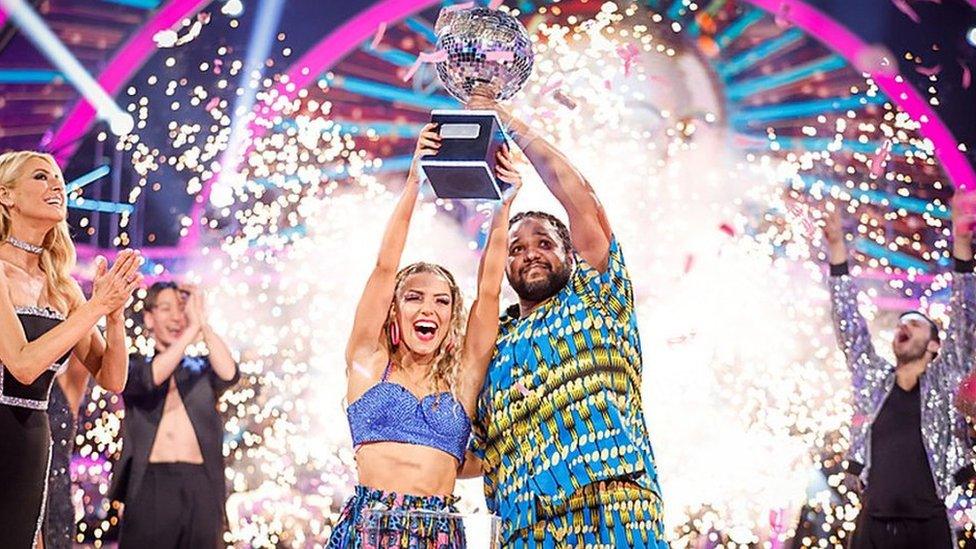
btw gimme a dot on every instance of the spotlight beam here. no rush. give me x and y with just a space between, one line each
86 179
28 76
100 206
34 28
262 38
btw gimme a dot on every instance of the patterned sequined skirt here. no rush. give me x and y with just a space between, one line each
374 519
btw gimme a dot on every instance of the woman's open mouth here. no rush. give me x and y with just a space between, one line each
425 329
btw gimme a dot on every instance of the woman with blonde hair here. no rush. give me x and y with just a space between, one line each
414 374
44 318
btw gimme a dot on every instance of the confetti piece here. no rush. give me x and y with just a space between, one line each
929 71
456 7
967 76
378 37
607 84
194 31
212 104
905 8
727 229
522 389
500 56
876 60
564 99
551 86
677 340
424 57
628 53
880 159
166 38
689 263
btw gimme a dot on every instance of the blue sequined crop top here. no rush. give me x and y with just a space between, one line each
389 412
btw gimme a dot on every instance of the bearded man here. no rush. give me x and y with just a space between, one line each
560 434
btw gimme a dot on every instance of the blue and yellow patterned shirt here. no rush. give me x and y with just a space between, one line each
561 406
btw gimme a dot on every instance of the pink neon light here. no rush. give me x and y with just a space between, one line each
86 252
838 38
307 69
121 68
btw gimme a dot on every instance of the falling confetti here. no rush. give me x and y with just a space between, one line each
378 37
438 56
628 54
880 159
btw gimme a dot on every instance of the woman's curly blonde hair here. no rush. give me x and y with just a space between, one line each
58 257
447 362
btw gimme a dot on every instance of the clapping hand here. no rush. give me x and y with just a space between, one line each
112 288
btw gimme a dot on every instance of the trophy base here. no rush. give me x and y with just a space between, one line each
464 167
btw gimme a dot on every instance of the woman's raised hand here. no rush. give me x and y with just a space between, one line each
112 287
428 144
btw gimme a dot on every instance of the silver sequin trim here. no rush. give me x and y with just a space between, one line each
58 368
46 312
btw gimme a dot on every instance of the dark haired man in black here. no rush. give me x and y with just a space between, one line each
909 449
171 473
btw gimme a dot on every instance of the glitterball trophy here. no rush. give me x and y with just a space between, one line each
488 50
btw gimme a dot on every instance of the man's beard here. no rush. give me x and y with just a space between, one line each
538 291
911 354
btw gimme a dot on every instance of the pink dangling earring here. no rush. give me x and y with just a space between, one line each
394 333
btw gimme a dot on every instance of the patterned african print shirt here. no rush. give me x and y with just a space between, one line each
561 406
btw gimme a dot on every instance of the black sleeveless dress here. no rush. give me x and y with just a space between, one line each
26 434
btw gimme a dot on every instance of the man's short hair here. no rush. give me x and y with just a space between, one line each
152 294
562 231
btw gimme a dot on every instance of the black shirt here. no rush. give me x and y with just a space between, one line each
200 388
900 483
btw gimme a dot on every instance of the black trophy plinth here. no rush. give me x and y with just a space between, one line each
464 167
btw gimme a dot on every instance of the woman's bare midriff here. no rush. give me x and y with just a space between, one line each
406 469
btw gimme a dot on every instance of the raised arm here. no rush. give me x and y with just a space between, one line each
107 358
374 305
588 225
850 327
221 360
28 360
482 329
962 301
